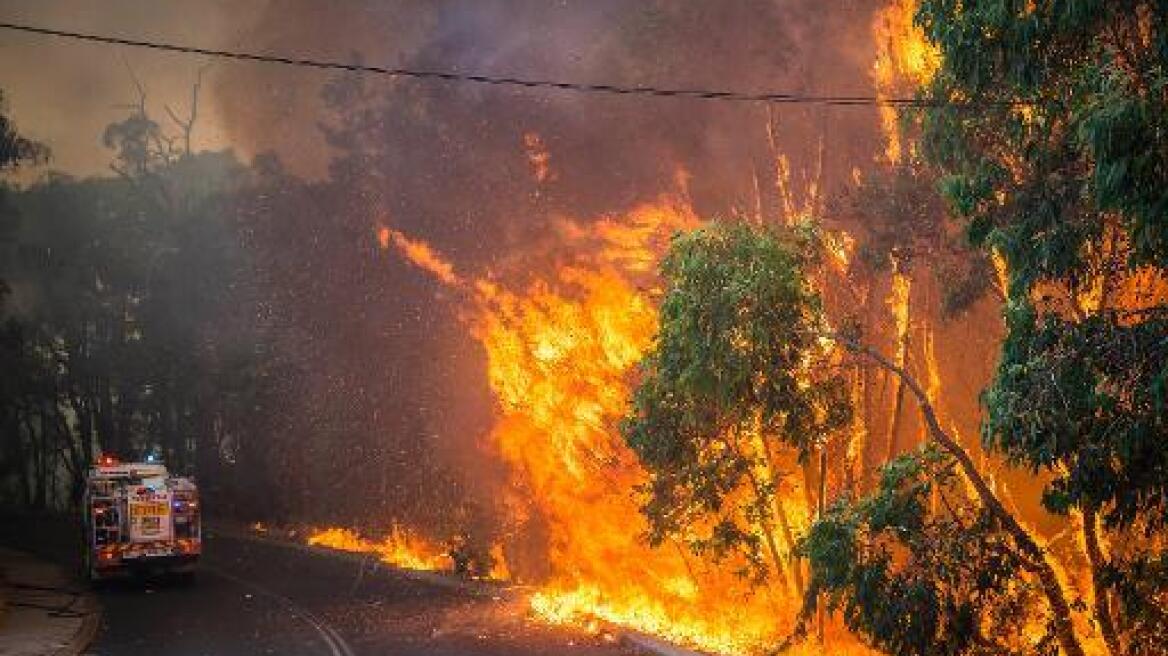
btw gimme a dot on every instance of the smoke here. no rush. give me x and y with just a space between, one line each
609 152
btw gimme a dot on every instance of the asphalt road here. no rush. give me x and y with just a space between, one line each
251 597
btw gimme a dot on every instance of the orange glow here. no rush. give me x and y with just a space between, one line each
898 300
538 157
561 351
840 247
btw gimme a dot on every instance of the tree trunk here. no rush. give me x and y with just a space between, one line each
768 532
784 521
39 454
20 454
892 445
764 523
1102 607
870 458
821 620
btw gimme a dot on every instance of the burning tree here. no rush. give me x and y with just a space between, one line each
746 363
1059 172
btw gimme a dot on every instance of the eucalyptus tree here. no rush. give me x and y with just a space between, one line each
747 365
1057 158
1048 124
736 383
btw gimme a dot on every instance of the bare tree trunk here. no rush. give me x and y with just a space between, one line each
69 446
821 620
768 532
39 456
1102 606
20 455
892 447
784 521
764 522
869 457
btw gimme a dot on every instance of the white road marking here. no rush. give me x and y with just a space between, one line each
336 644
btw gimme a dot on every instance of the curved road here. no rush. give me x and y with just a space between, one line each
254 597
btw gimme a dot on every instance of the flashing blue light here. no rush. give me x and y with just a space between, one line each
150 458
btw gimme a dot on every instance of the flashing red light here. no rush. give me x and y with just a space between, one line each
106 460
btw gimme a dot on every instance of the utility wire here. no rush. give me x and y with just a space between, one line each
611 89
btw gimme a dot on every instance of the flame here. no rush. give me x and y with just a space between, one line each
560 350
904 60
840 247
400 548
420 254
898 300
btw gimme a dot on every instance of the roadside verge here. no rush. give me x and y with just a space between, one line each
46 610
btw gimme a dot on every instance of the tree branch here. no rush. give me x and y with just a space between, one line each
1052 587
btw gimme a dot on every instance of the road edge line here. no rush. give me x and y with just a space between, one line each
336 644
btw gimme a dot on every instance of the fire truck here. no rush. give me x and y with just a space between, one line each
138 518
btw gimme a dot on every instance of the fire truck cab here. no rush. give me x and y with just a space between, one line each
137 517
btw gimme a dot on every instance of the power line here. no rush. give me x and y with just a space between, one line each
611 89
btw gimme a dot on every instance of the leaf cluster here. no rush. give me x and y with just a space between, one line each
1051 132
1087 400
1058 120
916 573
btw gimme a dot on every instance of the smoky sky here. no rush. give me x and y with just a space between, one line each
451 164
447 161
64 93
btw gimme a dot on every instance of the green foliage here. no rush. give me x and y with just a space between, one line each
737 356
1067 134
915 573
1056 155
1087 397
1066 124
